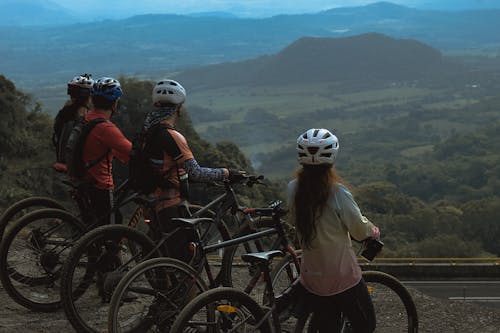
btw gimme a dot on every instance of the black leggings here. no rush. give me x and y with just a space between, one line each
355 303
95 204
177 243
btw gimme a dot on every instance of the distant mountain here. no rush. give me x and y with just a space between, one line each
33 13
152 45
366 57
213 14
451 5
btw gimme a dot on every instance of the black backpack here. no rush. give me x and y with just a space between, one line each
74 148
144 177
64 122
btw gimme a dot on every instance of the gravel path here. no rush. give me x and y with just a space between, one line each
436 316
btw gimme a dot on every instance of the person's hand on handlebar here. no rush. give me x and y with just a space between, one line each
235 175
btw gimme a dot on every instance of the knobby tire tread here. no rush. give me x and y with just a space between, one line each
78 251
7 241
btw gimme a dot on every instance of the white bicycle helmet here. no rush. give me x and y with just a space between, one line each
83 81
317 146
79 86
168 92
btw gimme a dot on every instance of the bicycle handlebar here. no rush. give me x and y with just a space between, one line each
275 210
247 180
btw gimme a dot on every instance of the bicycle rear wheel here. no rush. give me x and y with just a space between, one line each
222 310
32 254
94 267
211 232
234 272
22 207
161 287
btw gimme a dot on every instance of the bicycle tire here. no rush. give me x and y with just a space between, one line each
254 246
372 279
215 232
285 265
231 296
8 273
69 295
124 286
19 206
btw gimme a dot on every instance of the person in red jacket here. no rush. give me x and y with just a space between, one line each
103 144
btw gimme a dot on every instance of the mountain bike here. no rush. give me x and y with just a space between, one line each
22 207
394 306
85 306
232 310
142 280
27 205
35 247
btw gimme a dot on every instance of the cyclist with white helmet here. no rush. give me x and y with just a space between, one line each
170 153
326 217
103 144
78 105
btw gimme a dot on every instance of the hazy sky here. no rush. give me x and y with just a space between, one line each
240 7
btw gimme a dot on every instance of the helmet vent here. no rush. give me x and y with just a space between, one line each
329 147
315 132
312 150
300 147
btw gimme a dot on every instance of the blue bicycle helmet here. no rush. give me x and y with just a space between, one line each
108 88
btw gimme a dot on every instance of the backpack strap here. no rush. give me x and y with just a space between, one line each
93 123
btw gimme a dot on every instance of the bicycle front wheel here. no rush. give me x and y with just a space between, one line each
222 310
93 269
149 297
32 254
395 309
211 232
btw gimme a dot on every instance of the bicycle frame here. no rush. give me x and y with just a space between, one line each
276 228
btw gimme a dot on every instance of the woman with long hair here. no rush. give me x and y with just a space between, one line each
326 217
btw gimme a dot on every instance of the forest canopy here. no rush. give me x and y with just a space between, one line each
441 203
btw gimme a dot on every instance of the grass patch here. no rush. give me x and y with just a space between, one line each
417 151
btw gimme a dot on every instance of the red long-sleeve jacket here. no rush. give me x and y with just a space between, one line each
105 137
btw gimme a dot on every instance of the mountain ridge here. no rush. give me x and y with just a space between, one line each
369 56
155 45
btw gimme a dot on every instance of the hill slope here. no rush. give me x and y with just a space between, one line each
363 57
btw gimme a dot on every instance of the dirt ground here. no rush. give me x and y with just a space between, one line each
436 315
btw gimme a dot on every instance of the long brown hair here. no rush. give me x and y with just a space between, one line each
314 184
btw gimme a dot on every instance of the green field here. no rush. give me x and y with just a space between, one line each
348 112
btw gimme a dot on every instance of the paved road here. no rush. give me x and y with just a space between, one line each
483 292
